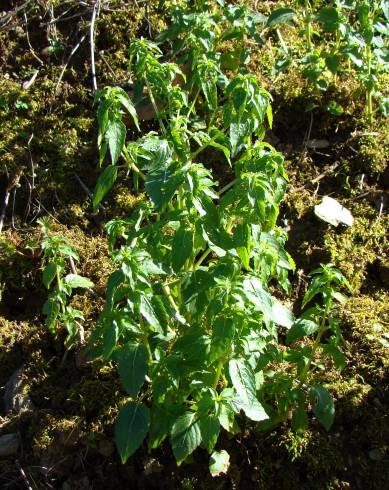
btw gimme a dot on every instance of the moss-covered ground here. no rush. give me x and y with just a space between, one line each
47 137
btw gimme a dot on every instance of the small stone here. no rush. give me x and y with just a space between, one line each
106 447
14 399
9 444
317 144
376 454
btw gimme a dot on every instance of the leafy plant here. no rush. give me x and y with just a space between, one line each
289 384
189 316
351 31
57 252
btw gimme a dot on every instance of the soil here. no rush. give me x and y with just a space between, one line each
47 138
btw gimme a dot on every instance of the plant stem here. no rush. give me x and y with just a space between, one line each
218 373
316 344
202 258
228 186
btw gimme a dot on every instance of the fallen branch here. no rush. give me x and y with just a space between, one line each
319 177
67 63
96 9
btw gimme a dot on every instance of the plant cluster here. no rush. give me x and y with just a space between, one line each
58 254
189 318
355 34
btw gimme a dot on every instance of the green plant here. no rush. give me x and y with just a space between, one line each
289 385
351 31
57 252
188 314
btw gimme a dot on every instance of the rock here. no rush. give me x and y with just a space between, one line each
333 212
376 454
9 444
14 399
316 144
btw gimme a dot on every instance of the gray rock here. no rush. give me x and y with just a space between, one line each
14 399
9 444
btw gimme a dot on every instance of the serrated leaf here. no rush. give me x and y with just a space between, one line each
209 428
49 274
131 428
329 17
132 367
302 327
116 136
243 380
76 281
185 436
280 16
104 184
182 247
219 463
322 405
162 183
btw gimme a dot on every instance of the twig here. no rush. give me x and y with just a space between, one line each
108 66
67 63
26 482
319 177
92 43
28 41
86 189
4 21
14 182
31 185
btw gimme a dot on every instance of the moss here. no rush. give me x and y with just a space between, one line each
360 245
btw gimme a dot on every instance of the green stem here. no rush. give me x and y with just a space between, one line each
218 373
202 258
369 92
157 113
316 344
228 186
191 108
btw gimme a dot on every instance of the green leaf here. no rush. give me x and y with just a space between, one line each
132 367
185 436
127 103
76 281
280 16
104 184
148 310
209 428
51 311
243 380
299 420
222 336
281 315
49 273
116 136
332 62
329 17
110 339
162 183
322 405
242 242
219 463
131 428
302 327
182 247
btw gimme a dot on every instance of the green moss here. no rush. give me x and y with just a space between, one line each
360 245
